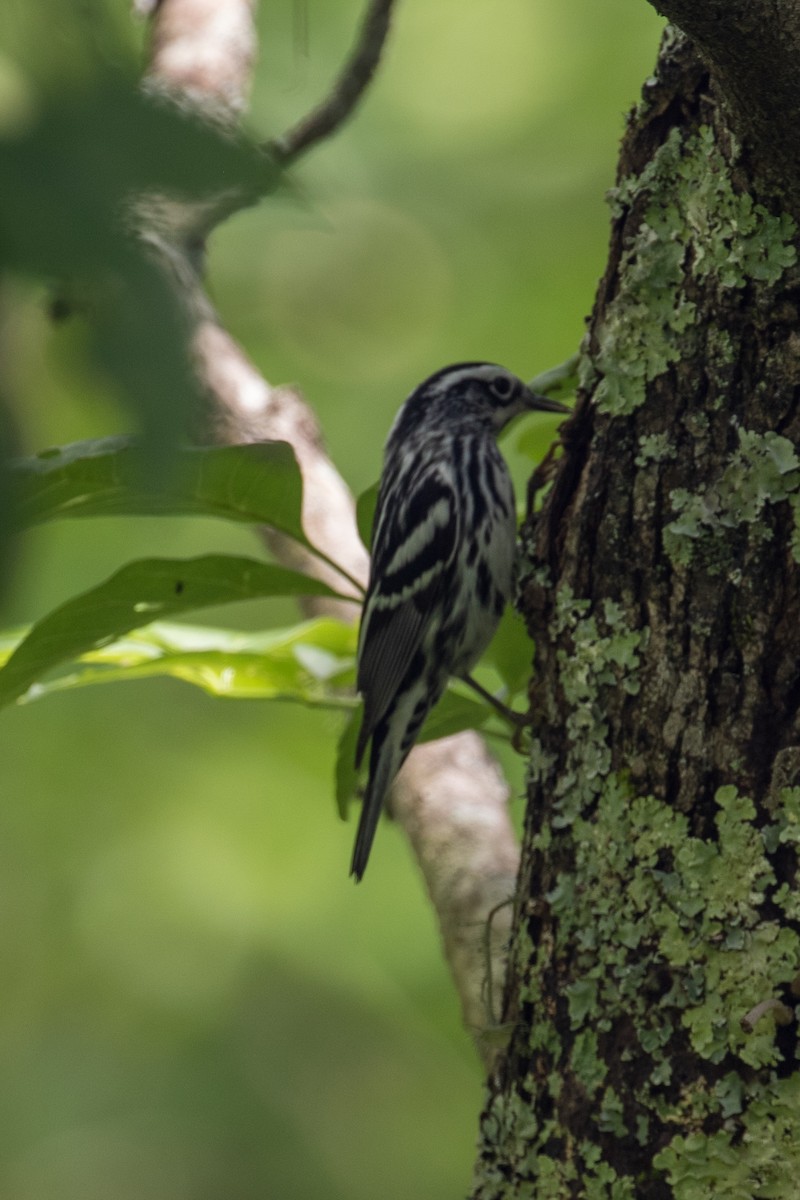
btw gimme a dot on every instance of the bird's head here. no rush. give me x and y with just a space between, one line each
475 393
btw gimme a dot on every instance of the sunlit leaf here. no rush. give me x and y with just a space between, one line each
10 639
224 663
136 595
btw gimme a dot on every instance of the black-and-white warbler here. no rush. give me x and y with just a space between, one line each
443 545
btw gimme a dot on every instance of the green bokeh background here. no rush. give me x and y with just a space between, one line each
196 1002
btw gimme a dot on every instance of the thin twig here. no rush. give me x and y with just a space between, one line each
348 89
563 377
512 718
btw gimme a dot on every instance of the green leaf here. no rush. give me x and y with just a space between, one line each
559 382
455 712
134 596
346 776
91 152
259 483
365 513
91 149
511 651
311 663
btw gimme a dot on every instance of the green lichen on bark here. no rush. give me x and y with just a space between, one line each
661 937
762 471
656 939
603 652
654 447
761 1163
694 226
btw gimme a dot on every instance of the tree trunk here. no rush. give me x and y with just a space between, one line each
654 968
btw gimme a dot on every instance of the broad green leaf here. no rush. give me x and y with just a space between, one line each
259 483
365 513
311 663
10 639
134 596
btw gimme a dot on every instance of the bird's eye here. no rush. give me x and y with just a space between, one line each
502 387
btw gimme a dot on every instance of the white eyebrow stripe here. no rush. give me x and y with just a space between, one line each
487 372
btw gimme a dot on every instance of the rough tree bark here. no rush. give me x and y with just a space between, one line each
654 965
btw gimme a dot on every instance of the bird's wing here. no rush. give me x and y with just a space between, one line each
412 561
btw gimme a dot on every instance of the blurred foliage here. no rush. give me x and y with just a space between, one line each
70 170
198 1002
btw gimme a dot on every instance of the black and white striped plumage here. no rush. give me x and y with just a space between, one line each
442 560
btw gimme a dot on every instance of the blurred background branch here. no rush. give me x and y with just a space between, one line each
203 52
466 846
350 85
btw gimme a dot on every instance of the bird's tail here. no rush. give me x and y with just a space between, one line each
383 766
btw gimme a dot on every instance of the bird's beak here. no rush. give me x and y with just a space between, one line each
539 403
